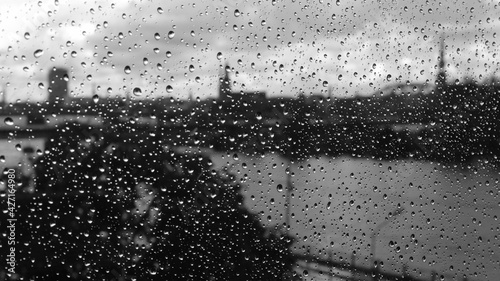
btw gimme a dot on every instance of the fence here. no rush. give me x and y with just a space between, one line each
349 270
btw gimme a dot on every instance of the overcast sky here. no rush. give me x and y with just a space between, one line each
281 47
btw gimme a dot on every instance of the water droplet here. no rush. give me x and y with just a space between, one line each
38 53
73 54
237 13
137 91
157 36
160 10
171 34
191 68
8 121
41 86
18 147
27 35
168 54
127 69
170 89
219 55
340 77
145 61
263 22
325 83
95 98
279 187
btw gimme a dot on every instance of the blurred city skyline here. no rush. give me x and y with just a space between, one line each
284 49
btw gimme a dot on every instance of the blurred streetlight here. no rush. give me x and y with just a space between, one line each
289 189
375 232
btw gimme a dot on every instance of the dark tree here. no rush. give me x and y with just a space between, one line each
111 209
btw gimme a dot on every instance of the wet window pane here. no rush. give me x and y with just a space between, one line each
249 140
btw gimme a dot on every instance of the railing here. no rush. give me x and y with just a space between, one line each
349 270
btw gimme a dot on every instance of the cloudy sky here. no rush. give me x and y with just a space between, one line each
281 47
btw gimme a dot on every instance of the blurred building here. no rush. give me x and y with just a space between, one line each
226 94
58 87
441 76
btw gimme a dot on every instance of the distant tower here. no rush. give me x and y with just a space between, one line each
441 76
225 84
58 86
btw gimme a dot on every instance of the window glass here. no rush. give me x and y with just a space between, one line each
249 140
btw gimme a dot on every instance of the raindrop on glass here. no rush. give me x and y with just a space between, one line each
8 121
38 53
137 91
